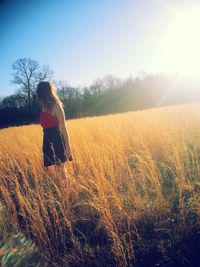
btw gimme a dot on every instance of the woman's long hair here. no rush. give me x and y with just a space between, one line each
47 95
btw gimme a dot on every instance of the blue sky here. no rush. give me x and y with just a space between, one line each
82 40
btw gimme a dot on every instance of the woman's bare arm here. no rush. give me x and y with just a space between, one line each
59 112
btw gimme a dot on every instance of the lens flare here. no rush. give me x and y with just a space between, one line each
179 50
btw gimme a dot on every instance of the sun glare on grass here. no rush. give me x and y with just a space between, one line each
180 47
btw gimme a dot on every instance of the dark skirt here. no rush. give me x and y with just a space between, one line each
53 146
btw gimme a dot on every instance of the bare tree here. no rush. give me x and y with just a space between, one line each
107 82
62 89
27 73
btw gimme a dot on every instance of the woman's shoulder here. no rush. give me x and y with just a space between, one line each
56 108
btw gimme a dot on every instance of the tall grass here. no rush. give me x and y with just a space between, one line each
132 194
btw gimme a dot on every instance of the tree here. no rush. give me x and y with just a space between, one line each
15 101
62 89
28 73
107 82
70 96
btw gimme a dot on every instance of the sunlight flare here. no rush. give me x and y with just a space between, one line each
180 46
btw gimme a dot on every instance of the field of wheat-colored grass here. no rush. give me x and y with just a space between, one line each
132 191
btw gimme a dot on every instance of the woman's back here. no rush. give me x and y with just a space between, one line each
47 120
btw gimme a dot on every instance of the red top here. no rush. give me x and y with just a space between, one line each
47 120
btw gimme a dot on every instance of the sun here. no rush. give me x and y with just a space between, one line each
179 49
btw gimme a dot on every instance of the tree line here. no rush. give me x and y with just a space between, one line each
106 95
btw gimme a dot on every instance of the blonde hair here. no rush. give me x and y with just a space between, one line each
47 94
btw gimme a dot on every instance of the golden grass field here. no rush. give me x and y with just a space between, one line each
132 187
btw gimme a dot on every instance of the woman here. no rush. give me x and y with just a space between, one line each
56 144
